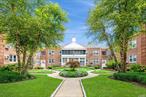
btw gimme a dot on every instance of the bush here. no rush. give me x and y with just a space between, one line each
131 76
111 64
97 67
73 73
137 68
10 76
50 67
9 67
38 67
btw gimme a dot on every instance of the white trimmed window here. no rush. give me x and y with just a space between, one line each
95 61
12 58
51 60
96 52
132 44
132 58
51 52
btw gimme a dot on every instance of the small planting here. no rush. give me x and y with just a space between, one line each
73 73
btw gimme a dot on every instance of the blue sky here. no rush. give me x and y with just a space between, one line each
77 11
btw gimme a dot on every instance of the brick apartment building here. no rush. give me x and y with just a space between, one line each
72 52
86 55
7 52
137 49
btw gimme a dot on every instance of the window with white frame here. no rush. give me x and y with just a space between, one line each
51 60
132 44
132 58
51 52
64 60
95 61
95 52
12 58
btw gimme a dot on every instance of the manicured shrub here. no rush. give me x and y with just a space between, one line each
9 67
111 64
50 67
137 68
38 67
97 67
73 73
131 76
10 76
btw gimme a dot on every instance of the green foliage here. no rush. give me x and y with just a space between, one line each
38 67
9 67
111 64
73 73
50 67
30 25
137 68
122 18
131 76
10 76
97 67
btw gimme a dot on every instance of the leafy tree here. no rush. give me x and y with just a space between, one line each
124 18
30 25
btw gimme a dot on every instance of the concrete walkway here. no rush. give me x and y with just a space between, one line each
71 87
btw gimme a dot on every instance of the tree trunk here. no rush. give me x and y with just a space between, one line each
24 71
112 50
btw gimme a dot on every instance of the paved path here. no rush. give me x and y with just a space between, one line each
71 87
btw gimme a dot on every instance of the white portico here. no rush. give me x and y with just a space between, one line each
73 52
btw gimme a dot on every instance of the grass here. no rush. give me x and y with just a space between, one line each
40 71
80 68
102 86
42 86
103 72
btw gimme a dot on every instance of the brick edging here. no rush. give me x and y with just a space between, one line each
83 90
56 90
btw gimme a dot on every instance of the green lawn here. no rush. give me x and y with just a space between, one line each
81 68
42 86
40 71
103 72
102 86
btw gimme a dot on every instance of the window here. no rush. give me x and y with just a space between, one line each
12 58
103 52
96 52
132 58
64 60
51 52
95 61
82 61
51 60
132 44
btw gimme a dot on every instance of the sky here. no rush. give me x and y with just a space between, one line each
77 13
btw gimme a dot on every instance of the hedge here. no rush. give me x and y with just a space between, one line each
10 76
131 76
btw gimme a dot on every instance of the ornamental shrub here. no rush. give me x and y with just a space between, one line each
11 76
139 77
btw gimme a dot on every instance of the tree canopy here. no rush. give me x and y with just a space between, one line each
115 21
30 25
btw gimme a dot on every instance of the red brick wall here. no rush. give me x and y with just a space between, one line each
140 50
1 50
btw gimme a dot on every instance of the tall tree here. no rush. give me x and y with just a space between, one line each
98 29
124 16
30 25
